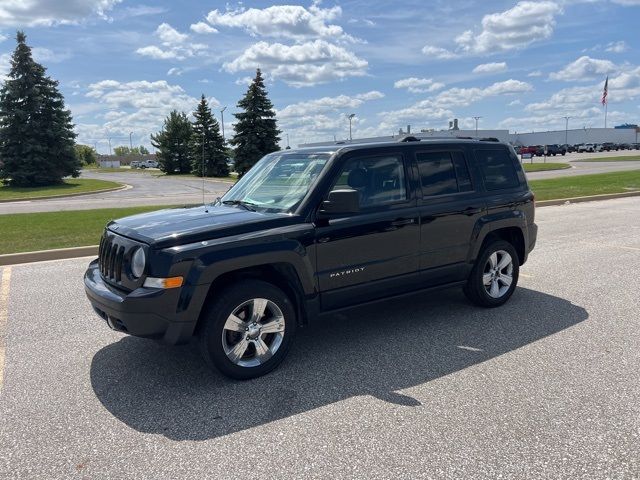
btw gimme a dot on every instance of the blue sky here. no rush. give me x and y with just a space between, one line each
123 64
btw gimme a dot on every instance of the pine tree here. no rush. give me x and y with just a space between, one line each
173 144
36 131
256 130
206 129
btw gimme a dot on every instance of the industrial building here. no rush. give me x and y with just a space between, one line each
627 134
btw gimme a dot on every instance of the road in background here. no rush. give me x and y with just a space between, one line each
146 189
546 386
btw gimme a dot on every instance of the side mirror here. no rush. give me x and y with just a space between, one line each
341 202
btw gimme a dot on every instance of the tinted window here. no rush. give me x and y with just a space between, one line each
443 173
380 180
497 169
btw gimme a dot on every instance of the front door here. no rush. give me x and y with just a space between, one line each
375 252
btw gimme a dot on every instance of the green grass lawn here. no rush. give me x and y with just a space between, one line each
25 232
583 185
540 167
630 158
71 186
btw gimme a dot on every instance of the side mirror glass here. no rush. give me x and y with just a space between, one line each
341 202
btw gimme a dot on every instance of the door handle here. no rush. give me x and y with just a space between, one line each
403 221
472 210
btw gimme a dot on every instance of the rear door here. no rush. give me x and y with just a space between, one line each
449 208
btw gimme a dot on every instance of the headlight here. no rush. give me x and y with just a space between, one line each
138 261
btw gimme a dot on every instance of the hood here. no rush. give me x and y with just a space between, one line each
176 226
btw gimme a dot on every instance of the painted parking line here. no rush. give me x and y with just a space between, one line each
5 280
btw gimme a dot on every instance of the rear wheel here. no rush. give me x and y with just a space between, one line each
494 276
248 329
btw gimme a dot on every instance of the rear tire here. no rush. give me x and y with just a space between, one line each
494 276
248 329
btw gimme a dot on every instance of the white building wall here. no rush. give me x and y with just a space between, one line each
574 136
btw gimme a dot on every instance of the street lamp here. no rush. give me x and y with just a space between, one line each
130 143
288 147
350 117
566 130
476 119
109 145
222 122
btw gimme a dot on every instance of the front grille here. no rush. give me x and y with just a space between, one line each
110 257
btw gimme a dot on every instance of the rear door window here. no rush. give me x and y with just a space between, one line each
497 169
443 173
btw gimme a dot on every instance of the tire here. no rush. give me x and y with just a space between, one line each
230 328
476 290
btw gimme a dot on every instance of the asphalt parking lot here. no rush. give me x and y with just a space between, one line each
427 387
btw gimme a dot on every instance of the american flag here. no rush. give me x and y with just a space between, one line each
606 91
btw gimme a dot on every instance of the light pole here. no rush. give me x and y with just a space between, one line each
566 130
350 117
288 147
222 122
476 119
130 143
109 145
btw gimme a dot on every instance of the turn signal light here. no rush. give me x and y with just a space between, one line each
171 282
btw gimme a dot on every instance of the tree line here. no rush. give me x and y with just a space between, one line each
37 141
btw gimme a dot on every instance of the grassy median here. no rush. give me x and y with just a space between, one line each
584 185
68 187
629 158
541 167
26 232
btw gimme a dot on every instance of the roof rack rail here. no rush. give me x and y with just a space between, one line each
489 139
408 138
464 138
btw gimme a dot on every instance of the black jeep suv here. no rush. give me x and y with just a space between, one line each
307 232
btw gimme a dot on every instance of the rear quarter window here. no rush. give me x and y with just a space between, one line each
498 171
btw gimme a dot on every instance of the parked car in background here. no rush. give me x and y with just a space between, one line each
625 146
586 147
551 150
135 164
529 150
608 146
149 164
636 146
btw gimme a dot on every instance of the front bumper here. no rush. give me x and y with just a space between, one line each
144 312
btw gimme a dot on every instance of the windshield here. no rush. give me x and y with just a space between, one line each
278 182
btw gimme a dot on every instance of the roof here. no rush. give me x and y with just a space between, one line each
407 140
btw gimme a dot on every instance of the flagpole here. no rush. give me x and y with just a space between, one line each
606 105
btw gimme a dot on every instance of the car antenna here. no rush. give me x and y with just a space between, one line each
204 204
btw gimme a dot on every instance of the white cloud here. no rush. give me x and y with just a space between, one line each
535 73
202 28
3 37
627 3
574 101
138 106
41 54
617 47
174 45
439 52
168 35
495 67
283 21
46 12
515 28
583 69
439 107
418 85
302 64
327 104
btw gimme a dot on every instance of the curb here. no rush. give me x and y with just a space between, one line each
123 186
74 252
44 255
591 198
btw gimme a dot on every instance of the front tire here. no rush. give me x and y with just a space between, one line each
494 276
248 329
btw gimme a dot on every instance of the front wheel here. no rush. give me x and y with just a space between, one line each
248 329
494 276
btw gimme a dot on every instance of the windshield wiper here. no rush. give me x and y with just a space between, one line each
242 203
